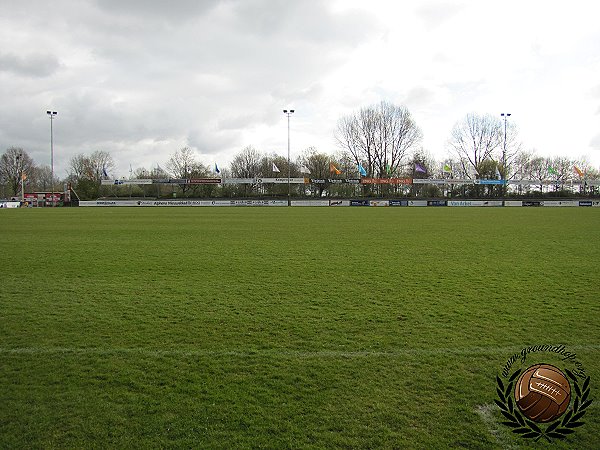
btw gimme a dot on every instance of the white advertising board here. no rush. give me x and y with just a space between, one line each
310 202
465 203
417 203
560 203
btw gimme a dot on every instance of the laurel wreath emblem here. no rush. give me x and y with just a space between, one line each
560 428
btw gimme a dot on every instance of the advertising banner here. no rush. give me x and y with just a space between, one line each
359 202
386 181
379 203
10 204
465 203
398 202
436 203
441 181
205 181
109 203
417 202
339 203
532 203
488 182
491 203
310 202
125 182
560 203
513 203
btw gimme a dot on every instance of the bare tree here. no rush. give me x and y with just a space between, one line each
14 164
183 165
378 137
474 139
246 164
86 172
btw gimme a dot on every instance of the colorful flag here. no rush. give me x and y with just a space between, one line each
334 169
552 170
388 169
362 170
447 168
578 170
275 168
23 176
304 169
420 168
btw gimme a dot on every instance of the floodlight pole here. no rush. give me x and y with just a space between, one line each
52 114
506 116
288 113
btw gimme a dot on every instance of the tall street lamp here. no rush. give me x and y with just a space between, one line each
288 113
506 116
52 114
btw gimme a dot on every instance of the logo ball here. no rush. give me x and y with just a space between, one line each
542 393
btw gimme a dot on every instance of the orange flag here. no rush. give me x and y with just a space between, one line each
334 169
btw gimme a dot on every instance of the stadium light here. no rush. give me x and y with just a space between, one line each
52 114
288 113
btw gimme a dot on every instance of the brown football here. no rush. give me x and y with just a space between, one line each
542 393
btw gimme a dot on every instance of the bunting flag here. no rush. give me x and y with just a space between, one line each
362 170
447 168
304 169
420 168
552 170
334 169
275 168
217 168
578 171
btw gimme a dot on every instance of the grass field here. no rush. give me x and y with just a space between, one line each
286 327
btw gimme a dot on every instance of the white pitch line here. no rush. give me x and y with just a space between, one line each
274 352
501 433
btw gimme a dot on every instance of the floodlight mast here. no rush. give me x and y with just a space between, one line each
506 116
52 114
288 113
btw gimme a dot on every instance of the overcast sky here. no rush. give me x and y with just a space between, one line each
142 78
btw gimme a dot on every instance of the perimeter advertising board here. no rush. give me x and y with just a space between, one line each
560 203
339 202
379 203
310 202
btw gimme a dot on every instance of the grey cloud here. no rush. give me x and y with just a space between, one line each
157 9
36 65
418 96
436 13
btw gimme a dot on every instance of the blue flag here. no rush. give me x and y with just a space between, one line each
217 168
362 170
104 172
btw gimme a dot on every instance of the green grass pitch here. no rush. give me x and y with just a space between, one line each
286 327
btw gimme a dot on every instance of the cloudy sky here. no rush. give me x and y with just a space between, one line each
142 78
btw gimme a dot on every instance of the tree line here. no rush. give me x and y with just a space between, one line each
380 141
